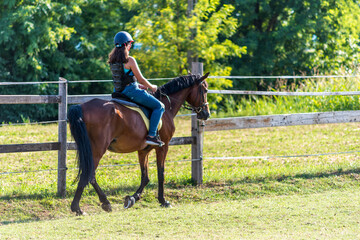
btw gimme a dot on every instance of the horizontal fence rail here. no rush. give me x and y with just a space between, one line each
29 99
173 142
269 93
79 99
218 124
29 147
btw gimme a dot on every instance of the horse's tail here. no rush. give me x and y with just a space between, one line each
84 153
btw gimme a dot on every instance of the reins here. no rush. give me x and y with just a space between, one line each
168 98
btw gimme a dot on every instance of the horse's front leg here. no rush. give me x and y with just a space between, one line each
144 166
160 160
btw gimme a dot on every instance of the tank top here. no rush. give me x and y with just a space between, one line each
127 70
121 76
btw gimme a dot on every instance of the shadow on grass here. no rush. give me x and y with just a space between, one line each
283 178
53 195
185 182
19 221
178 185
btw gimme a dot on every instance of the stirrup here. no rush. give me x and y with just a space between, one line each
154 141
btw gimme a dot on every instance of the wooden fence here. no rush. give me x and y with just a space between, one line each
197 127
63 99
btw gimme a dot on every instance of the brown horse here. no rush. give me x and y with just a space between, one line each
99 125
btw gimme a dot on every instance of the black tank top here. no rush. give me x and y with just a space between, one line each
120 78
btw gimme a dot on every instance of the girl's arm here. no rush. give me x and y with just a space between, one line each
135 69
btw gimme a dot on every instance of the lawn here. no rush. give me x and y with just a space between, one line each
248 197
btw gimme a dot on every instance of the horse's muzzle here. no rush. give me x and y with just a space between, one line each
203 115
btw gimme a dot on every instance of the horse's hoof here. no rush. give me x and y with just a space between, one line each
166 204
106 207
77 210
129 202
80 213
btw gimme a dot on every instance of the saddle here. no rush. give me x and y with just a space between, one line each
144 112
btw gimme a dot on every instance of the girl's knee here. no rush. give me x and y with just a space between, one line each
162 107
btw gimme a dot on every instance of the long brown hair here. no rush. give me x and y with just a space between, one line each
119 54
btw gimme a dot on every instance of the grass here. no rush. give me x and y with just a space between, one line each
243 196
32 196
329 215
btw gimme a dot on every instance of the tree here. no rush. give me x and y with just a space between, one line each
295 37
30 35
87 50
164 31
41 40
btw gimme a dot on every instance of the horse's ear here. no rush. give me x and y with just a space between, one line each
204 76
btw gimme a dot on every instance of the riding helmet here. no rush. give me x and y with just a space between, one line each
121 38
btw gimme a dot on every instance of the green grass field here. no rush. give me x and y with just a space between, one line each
329 215
293 198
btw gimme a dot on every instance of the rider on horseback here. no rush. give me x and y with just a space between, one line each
126 73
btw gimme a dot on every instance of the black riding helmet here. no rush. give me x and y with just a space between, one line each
121 38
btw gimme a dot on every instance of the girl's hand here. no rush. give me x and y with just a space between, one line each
153 88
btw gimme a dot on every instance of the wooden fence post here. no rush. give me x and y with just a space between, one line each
62 116
197 132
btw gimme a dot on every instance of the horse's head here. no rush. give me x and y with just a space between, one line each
198 98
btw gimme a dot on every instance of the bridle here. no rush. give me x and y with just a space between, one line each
203 103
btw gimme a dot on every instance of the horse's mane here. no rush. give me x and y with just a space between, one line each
177 84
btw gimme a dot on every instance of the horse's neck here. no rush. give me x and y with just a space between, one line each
176 101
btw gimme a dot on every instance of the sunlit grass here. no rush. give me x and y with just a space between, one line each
32 192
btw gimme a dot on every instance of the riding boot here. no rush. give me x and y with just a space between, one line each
154 141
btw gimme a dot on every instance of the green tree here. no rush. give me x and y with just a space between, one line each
167 32
295 37
41 40
31 34
87 50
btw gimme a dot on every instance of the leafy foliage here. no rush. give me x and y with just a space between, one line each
31 39
41 40
292 37
171 38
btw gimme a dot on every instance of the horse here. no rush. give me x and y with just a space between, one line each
99 125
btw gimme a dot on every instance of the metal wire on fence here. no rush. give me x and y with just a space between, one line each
27 83
285 77
163 79
31 123
193 160
100 166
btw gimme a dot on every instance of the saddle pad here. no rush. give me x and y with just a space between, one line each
125 103
135 107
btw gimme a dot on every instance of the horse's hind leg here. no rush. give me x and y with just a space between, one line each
99 150
102 197
75 203
144 166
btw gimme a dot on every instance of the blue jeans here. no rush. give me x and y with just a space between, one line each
142 97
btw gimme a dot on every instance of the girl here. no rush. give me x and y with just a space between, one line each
126 73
